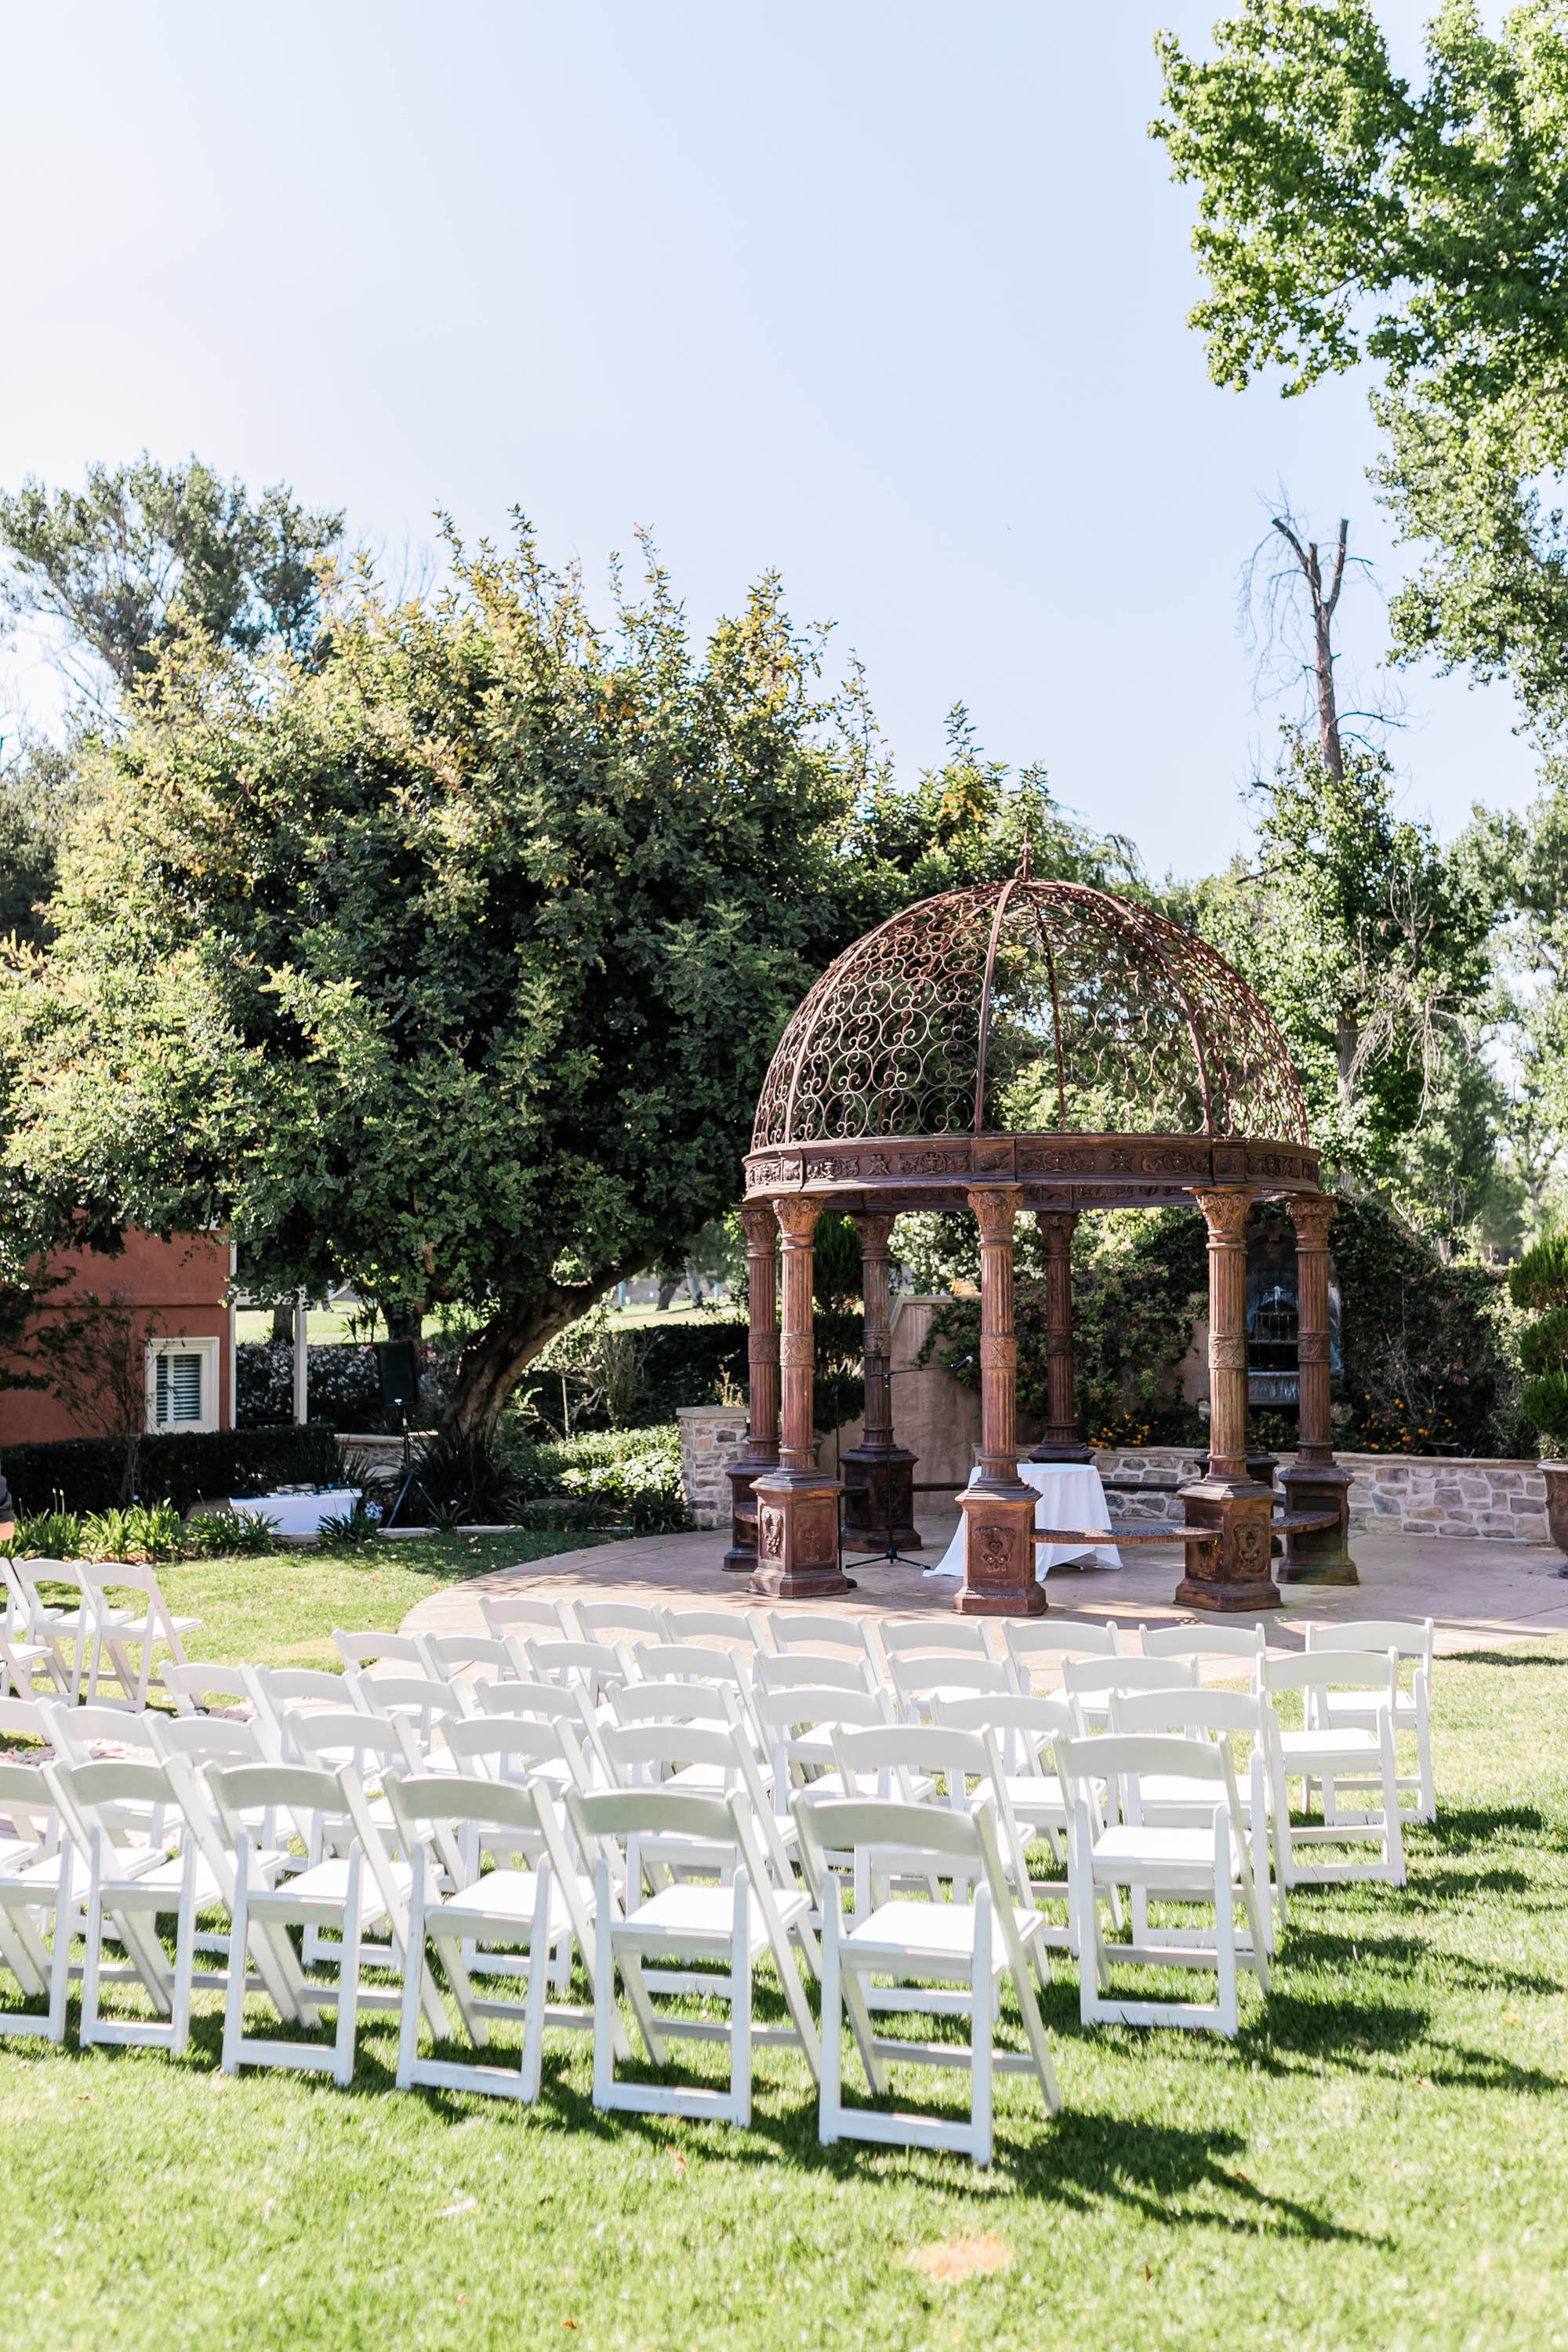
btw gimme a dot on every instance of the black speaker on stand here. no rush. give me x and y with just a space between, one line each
398 1375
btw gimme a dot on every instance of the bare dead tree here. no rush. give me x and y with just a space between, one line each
1323 608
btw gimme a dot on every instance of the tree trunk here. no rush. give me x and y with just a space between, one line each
491 1365
283 1327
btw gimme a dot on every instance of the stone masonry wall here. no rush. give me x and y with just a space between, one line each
1149 1468
712 1435
1434 1495
1393 1494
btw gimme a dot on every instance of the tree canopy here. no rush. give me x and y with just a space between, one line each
450 959
1345 217
144 550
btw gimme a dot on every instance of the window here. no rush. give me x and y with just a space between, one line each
182 1384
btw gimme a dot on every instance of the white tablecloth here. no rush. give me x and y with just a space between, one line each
301 1514
1071 1497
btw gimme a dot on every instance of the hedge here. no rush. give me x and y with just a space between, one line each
87 1472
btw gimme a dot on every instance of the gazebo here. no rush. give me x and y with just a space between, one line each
1043 1047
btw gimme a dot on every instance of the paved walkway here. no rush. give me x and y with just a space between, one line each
1479 1593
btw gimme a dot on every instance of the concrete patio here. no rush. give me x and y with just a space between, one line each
1479 1593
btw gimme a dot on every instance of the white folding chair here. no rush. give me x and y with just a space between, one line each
688 1662
905 1760
1190 1865
81 1733
204 1739
730 1924
918 1943
63 1629
1092 1681
1227 1717
332 1896
904 1637
422 1701
130 1885
591 1667
812 1670
202 1679
486 1656
277 1691
526 1613
796 1726
1411 1640
711 1760
116 1633
1037 1648
614 1621
744 1631
35 1869
1026 1731
24 1718
22 1659
519 1749
546 1703
919 1680
522 1916
1211 1645
820 1635
357 1650
1361 1756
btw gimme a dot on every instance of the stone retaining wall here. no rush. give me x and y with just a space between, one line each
1393 1494
712 1435
1434 1494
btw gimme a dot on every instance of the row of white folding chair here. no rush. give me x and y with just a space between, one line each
94 1639
1354 1750
1413 1642
1198 1852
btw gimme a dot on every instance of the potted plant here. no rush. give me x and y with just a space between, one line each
1539 1284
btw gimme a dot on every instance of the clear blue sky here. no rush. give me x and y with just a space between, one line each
891 296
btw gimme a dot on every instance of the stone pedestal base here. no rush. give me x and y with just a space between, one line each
741 1557
879 1497
1069 1449
797 1535
1318 1555
1232 1574
999 1578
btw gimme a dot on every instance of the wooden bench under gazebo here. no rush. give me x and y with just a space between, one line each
1043 1047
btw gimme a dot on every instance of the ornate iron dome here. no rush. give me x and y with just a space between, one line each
1035 1031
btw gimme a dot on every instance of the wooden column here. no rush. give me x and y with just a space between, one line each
879 1477
798 1507
763 1384
998 1509
1314 1484
1063 1440
1234 1573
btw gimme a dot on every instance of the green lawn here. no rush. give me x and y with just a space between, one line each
1379 2160
280 1609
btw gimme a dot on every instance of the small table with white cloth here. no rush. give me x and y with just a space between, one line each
1072 1496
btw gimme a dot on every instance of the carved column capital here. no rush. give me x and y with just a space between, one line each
1225 1213
797 1214
875 1228
762 1226
1055 1228
1311 1215
996 1208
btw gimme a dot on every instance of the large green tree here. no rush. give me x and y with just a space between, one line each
143 550
449 962
1370 942
1347 218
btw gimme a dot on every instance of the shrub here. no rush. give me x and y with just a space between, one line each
1539 1283
83 1474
